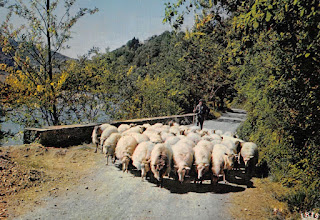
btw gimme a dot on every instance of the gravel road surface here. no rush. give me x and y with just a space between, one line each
108 193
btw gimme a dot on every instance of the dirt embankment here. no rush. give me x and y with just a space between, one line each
30 172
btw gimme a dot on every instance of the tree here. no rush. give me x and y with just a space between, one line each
208 74
272 52
35 81
280 77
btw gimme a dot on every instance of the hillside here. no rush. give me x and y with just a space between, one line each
6 59
186 67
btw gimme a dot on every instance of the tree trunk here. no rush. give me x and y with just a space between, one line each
50 68
49 42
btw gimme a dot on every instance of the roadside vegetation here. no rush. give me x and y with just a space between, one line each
271 52
262 55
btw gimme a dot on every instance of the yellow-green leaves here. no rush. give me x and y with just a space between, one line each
3 66
130 71
268 16
35 81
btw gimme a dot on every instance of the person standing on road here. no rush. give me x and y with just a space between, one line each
202 112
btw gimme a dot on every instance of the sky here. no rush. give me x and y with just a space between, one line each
116 22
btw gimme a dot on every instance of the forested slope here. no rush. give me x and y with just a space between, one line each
165 75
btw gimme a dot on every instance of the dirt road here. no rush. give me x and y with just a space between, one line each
107 193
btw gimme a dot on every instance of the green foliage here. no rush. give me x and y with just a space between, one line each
279 80
303 198
147 78
272 54
174 70
208 75
152 98
87 90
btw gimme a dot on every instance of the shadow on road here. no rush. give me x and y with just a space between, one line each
234 185
182 188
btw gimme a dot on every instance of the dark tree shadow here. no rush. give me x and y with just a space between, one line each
186 187
241 176
262 170
236 183
238 176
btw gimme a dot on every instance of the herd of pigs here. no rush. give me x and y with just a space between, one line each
176 151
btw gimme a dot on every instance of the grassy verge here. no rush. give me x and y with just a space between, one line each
261 202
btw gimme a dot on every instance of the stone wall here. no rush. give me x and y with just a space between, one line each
68 135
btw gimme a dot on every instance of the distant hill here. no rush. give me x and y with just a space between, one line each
7 59
158 50
9 62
